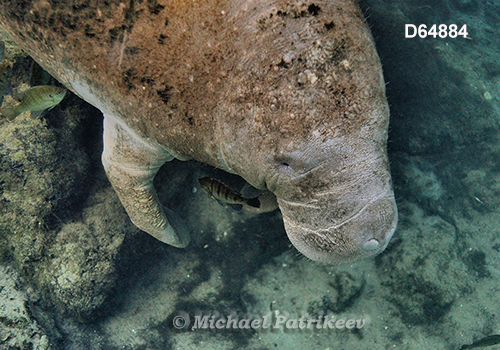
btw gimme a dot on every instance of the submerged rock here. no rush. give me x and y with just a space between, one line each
58 227
18 330
80 264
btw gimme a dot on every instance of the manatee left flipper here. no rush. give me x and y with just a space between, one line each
267 203
131 163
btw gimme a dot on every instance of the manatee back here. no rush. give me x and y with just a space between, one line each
192 75
152 62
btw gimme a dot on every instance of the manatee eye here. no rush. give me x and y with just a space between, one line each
295 163
291 164
285 167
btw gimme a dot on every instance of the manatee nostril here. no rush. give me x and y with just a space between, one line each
372 244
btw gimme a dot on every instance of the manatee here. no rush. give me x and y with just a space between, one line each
289 95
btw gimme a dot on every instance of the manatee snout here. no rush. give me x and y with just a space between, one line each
360 236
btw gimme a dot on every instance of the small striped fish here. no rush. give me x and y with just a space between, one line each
224 193
36 99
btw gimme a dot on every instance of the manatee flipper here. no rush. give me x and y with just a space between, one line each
266 200
267 203
131 163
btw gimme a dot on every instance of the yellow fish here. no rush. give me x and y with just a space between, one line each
36 99
224 193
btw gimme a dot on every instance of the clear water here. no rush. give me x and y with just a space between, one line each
76 274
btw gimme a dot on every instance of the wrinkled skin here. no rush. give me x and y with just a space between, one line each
289 95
